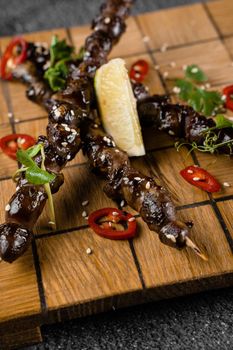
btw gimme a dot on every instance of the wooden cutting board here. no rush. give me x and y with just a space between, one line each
56 279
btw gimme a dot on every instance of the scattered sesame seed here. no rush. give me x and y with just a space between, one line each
110 224
7 207
64 144
67 128
196 166
10 115
131 219
68 157
202 87
17 188
148 185
164 47
137 178
89 251
84 213
146 39
84 203
122 203
156 67
115 213
102 157
207 85
95 126
107 20
176 90
137 75
51 223
189 171
173 64
171 237
72 112
86 218
117 151
73 131
223 97
170 132
226 184
196 178
184 67
57 113
16 120
165 75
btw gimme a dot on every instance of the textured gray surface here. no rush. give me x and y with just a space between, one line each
199 322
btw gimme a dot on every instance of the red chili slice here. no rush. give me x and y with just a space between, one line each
139 70
200 178
111 216
228 92
11 143
10 57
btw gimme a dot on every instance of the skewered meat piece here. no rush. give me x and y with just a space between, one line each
141 192
180 121
60 145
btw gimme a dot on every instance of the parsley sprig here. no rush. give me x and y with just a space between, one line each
60 54
211 143
36 175
201 100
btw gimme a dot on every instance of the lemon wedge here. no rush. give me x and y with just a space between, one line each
117 106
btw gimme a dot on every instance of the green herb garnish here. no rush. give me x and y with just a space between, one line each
222 122
201 100
36 175
60 54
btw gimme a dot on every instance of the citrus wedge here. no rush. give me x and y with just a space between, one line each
117 106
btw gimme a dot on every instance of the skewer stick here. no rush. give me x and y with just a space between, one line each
190 244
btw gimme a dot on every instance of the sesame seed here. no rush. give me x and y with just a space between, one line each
195 165
84 214
10 115
173 64
107 20
67 128
51 223
148 185
115 213
110 224
117 151
16 120
84 203
196 178
165 75
226 184
176 90
7 207
131 219
71 112
171 237
184 67
156 67
137 75
95 126
57 113
102 157
170 132
122 203
17 188
86 218
207 85
189 171
68 157
64 144
146 39
137 178
164 47
89 251
224 97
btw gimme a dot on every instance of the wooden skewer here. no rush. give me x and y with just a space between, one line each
197 251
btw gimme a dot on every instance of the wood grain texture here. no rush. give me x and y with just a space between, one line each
7 165
18 339
80 185
226 209
71 276
220 166
222 13
217 67
162 265
177 26
167 164
118 274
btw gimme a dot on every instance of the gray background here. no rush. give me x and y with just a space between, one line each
198 322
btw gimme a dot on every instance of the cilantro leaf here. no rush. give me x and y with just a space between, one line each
34 150
222 122
37 176
211 100
24 158
194 73
59 50
186 88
